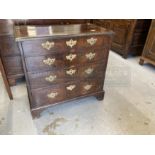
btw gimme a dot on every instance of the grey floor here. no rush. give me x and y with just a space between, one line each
128 107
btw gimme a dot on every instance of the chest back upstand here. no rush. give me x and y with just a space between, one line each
62 63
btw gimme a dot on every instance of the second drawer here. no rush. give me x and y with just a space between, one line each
50 62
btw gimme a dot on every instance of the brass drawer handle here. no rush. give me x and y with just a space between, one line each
50 78
71 87
52 95
92 41
47 45
90 55
89 71
49 61
71 71
87 87
71 43
70 57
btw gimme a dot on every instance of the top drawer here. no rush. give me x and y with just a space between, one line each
49 46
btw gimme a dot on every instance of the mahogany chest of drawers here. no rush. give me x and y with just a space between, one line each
62 63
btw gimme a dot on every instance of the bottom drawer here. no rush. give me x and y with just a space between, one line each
47 96
58 93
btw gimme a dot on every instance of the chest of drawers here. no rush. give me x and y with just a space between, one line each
62 63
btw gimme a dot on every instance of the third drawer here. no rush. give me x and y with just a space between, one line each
43 79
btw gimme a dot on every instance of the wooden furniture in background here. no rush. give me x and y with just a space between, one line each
130 35
148 54
9 51
50 21
5 80
62 63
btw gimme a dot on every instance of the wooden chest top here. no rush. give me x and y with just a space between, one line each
29 32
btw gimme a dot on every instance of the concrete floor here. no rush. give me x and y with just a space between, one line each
128 107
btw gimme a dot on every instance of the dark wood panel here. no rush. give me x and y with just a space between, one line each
90 86
64 60
46 96
150 46
149 49
130 35
4 76
13 65
8 46
120 35
57 93
44 79
138 39
51 62
50 21
35 47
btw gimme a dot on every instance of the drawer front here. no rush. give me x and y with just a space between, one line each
13 65
47 96
91 71
58 93
50 62
44 63
43 79
93 42
72 89
8 46
50 46
94 55
91 86
38 80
